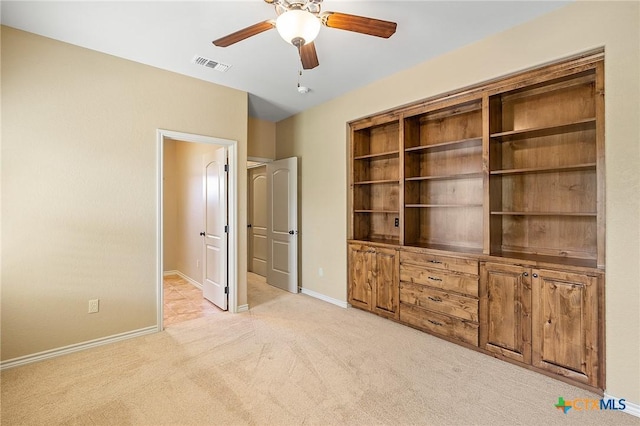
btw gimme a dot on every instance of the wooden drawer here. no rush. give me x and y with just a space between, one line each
444 325
460 283
445 263
439 301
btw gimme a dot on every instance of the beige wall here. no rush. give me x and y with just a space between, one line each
261 138
319 137
79 186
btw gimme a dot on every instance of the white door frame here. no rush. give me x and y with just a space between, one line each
232 149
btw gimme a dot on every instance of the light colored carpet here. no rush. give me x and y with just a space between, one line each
290 360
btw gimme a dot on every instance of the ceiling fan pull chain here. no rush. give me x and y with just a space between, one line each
301 89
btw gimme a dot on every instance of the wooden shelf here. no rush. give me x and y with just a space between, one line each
374 182
377 211
381 240
575 167
456 176
535 132
377 156
462 143
446 247
441 205
542 259
584 214
547 88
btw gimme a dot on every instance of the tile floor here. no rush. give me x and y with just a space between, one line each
183 301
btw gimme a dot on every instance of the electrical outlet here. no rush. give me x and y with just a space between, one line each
320 272
198 263
94 306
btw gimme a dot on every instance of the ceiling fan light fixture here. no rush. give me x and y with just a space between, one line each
298 25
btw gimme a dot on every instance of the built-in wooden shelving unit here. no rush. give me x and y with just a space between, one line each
479 215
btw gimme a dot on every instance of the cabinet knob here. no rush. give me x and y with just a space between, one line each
525 274
535 275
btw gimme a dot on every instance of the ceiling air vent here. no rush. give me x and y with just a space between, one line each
209 63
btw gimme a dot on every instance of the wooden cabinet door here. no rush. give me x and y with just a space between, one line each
565 324
505 308
361 275
386 288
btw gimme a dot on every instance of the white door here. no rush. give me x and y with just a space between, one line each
282 224
214 286
257 227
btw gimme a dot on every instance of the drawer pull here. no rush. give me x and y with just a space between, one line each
439 324
435 299
435 261
435 279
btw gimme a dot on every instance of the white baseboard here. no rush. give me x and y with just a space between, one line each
243 308
53 353
323 297
184 277
630 407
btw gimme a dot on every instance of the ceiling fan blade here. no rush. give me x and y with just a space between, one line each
359 24
244 33
309 56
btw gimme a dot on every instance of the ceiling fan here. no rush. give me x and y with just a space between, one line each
299 22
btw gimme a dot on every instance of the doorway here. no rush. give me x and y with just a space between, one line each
257 217
272 234
163 137
282 219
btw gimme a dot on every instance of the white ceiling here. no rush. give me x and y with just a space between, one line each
168 34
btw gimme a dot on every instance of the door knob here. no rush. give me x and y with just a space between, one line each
202 234
292 232
249 226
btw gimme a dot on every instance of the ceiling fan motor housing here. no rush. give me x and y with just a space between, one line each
281 6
